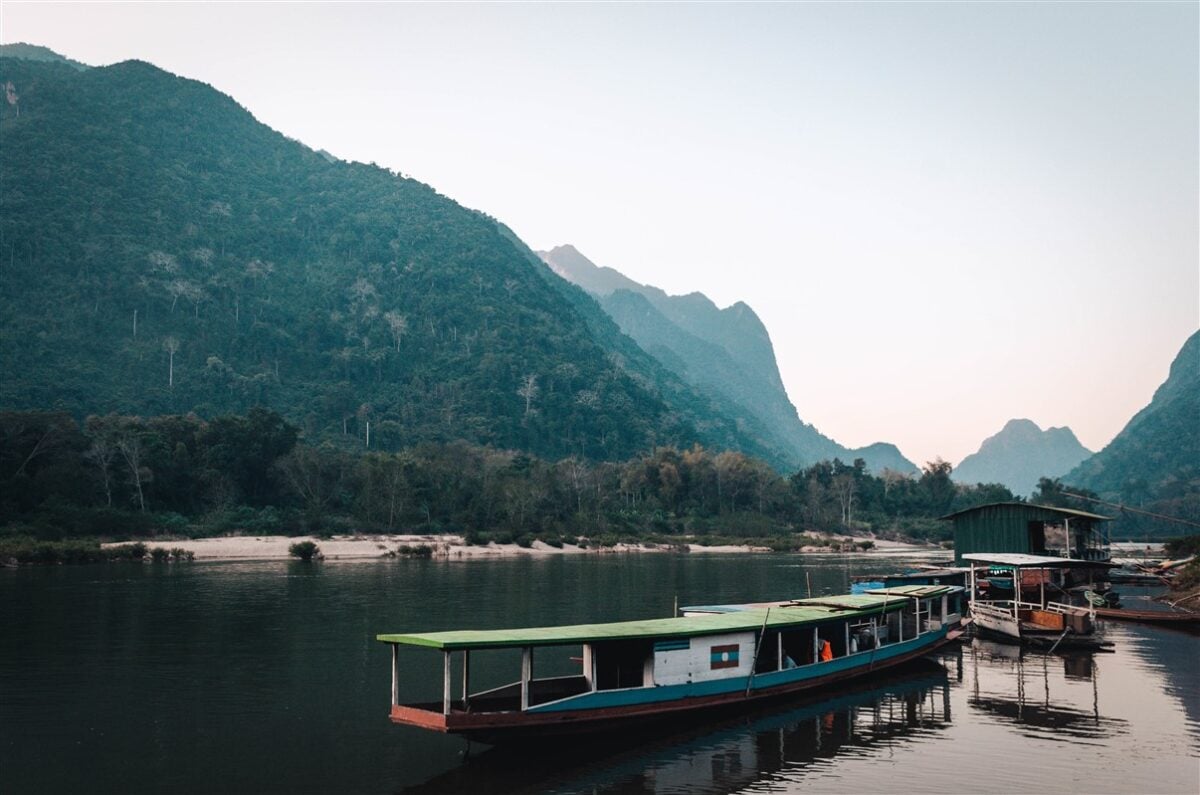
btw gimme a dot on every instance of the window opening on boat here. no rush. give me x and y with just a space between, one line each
623 663
890 631
832 640
768 653
798 647
910 615
933 612
862 636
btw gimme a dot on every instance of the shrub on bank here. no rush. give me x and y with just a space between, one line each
135 551
304 550
173 555
26 549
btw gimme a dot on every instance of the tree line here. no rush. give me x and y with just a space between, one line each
128 476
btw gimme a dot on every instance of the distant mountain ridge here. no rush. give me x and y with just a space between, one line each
1020 454
725 352
1156 456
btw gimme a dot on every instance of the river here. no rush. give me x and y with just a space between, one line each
264 677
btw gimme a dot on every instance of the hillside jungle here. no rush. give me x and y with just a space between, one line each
163 252
122 477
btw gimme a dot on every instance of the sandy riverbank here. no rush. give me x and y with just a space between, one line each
444 546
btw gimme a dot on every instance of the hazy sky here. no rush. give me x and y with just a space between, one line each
947 215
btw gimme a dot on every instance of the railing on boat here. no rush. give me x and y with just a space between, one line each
1011 605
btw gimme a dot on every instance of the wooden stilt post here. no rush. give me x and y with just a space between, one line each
466 689
526 675
971 595
395 674
589 666
446 683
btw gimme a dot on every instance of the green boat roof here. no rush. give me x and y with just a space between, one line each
798 613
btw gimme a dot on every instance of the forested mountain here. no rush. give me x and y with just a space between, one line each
36 52
1020 454
1155 459
727 353
163 252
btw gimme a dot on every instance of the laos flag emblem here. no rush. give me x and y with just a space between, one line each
724 657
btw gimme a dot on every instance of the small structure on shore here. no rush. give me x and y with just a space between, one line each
1029 529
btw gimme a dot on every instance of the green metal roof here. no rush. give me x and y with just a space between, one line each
1033 506
801 612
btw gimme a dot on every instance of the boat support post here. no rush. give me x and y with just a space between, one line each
526 674
466 689
395 674
762 636
445 683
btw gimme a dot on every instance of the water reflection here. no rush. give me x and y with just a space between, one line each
1018 688
726 755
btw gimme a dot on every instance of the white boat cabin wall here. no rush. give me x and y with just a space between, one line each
703 659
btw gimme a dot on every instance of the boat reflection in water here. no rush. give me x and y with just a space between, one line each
724 755
1031 703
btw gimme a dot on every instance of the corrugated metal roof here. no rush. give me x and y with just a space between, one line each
801 612
1018 559
1068 512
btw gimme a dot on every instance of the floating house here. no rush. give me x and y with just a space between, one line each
1029 529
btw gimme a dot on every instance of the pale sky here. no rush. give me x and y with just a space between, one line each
948 215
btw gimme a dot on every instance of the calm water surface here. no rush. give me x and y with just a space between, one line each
263 677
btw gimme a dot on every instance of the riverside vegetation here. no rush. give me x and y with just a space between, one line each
120 477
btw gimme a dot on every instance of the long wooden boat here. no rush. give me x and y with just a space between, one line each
1150 616
710 657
